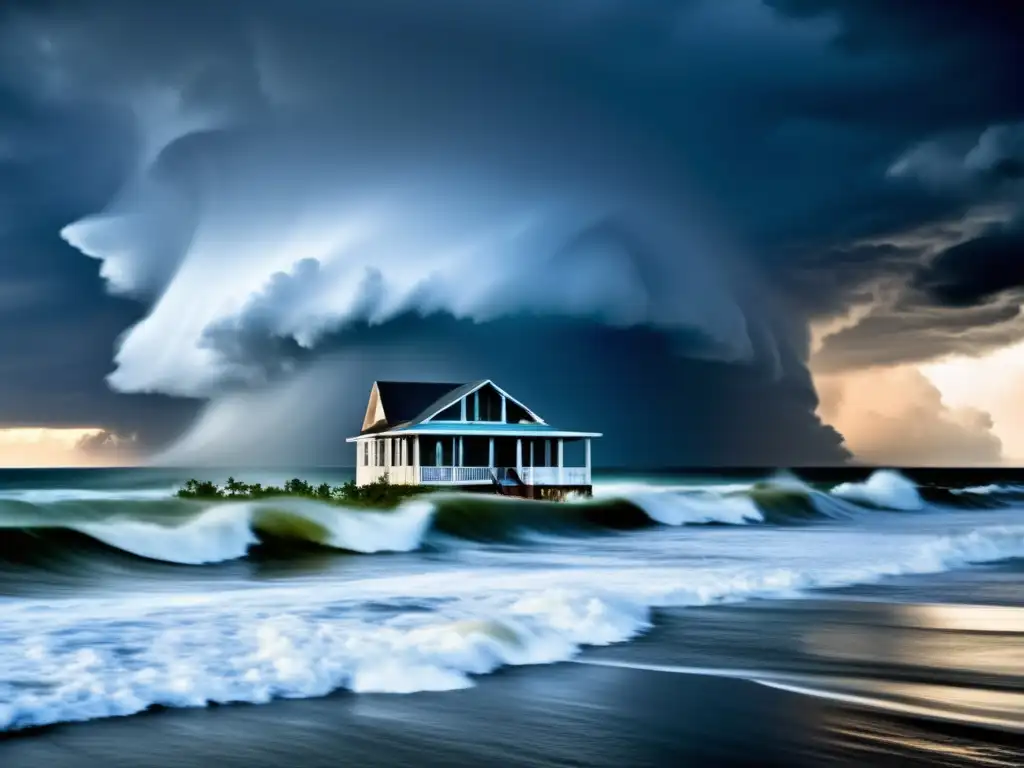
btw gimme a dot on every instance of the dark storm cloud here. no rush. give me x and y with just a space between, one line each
953 286
204 152
964 299
58 328
950 147
655 407
891 336
976 271
872 24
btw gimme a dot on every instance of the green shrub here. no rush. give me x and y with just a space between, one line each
380 493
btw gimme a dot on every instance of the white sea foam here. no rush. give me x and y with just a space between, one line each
626 488
429 627
697 509
986 545
885 488
240 651
687 504
224 531
355 530
220 533
44 496
988 490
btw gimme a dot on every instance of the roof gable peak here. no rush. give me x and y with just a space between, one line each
454 396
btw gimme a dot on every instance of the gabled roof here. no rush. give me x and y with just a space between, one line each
446 399
401 402
410 403
453 397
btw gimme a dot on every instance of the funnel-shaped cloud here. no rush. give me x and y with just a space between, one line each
305 180
414 187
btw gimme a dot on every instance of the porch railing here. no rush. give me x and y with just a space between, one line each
528 475
445 475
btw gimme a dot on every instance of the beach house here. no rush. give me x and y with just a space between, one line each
474 436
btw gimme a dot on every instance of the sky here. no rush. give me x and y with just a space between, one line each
721 232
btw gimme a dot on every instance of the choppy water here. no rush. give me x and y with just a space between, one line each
116 597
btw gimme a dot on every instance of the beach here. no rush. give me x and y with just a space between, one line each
774 622
571 714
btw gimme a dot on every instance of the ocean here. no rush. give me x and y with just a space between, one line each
738 617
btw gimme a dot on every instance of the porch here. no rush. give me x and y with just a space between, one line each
463 460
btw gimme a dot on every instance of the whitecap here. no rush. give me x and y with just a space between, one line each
885 488
85 659
992 489
224 531
219 533
694 509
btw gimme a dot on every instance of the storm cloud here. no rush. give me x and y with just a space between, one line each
585 196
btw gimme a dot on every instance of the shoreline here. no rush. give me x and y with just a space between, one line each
565 714
748 613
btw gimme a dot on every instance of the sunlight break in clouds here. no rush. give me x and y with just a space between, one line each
897 416
993 383
63 447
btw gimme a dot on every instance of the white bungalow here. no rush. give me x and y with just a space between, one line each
472 435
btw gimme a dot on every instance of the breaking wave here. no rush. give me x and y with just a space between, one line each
558 580
93 661
992 489
227 531
885 489
157 526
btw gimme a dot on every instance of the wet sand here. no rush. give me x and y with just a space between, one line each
567 715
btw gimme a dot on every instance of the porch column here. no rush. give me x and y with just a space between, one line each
462 452
586 461
416 460
455 452
504 409
561 459
490 452
531 454
519 455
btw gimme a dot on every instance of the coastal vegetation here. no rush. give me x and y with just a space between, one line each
380 493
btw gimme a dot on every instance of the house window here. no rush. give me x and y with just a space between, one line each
366 453
487 404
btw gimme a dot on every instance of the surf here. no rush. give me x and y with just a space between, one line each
154 525
437 592
413 630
